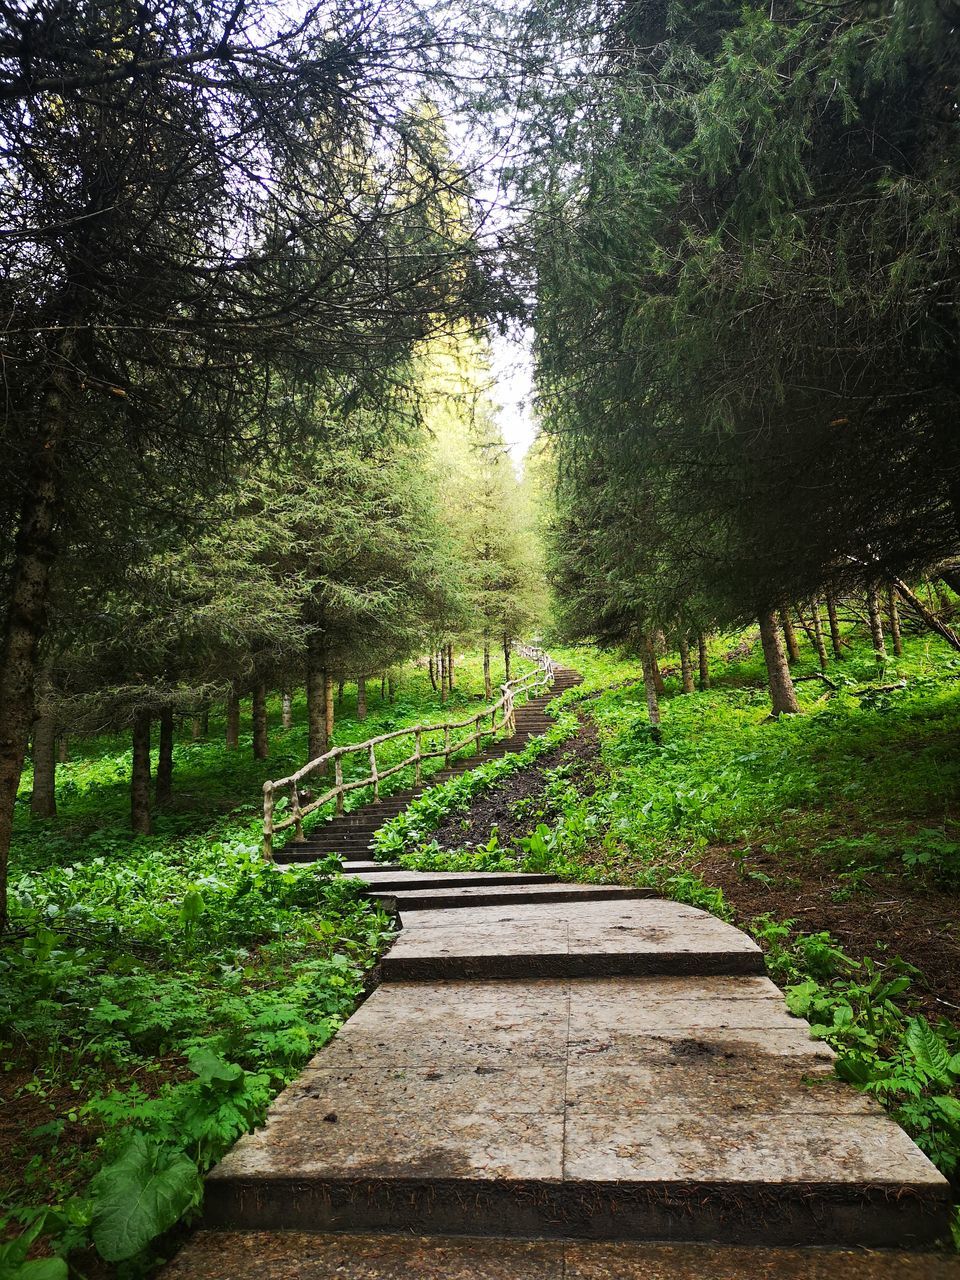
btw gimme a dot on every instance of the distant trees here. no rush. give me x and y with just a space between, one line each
211 214
746 277
493 556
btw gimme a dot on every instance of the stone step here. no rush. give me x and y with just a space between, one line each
296 853
692 1109
454 898
358 840
565 940
298 1255
357 867
384 881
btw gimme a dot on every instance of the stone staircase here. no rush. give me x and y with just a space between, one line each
568 1082
349 837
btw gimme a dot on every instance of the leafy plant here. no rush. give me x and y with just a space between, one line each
140 1195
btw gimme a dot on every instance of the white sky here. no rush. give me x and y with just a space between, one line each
512 367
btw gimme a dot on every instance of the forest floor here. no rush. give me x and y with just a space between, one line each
887 913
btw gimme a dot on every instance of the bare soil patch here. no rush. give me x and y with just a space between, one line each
500 807
888 915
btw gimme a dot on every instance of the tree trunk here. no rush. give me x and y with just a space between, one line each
506 656
648 663
383 688
340 685
140 774
233 716
790 636
433 675
361 697
783 697
196 732
450 677
164 780
286 710
807 627
43 797
686 667
818 643
261 740
205 722
657 674
952 578
876 625
444 683
29 589
391 687
893 614
487 682
703 659
926 616
316 719
63 749
835 640
329 710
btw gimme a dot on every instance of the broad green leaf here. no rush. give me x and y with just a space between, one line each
950 1108
192 907
139 1196
40 1269
211 1069
929 1050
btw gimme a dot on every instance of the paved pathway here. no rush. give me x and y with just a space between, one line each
572 1071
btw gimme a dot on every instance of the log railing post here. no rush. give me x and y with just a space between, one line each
297 816
446 746
418 757
268 821
373 773
338 778
477 735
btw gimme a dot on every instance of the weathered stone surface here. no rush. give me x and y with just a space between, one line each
282 1255
570 939
625 1261
769 1147
636 1107
477 1024
305 1256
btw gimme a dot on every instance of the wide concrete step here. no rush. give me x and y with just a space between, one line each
564 940
456 898
386 881
689 1109
298 1255
359 841
297 853
358 867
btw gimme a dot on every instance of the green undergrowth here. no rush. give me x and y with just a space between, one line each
151 1011
404 836
157 992
864 786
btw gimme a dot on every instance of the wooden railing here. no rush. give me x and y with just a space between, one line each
541 677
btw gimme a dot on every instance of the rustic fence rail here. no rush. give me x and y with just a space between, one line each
541 677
